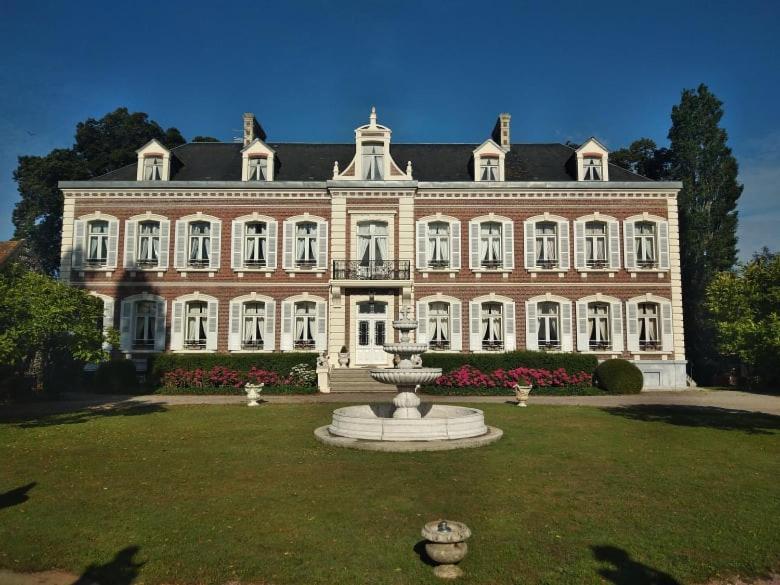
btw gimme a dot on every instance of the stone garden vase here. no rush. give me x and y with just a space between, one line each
521 393
253 393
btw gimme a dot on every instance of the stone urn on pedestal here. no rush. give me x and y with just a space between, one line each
446 546
253 393
521 393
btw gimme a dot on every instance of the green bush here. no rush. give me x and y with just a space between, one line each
619 377
281 363
489 362
231 391
115 377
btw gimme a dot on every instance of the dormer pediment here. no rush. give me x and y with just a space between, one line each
154 162
257 161
489 160
592 161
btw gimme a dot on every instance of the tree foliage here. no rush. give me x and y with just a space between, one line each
101 145
204 139
644 158
745 308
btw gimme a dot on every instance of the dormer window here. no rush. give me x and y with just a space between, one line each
592 168
258 169
488 168
373 161
153 168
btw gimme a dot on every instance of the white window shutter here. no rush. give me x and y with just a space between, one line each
234 331
663 245
475 339
237 246
567 337
321 341
632 327
474 245
130 228
510 333
113 243
615 314
213 325
214 257
628 245
613 228
108 320
508 235
582 327
165 231
667 341
456 333
177 325
180 258
322 242
579 246
269 342
288 247
77 256
530 244
271 255
422 260
159 328
287 326
422 322
531 333
455 244
563 244
125 329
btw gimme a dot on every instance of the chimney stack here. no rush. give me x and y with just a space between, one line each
252 129
501 131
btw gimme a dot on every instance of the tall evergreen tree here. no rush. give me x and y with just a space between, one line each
707 204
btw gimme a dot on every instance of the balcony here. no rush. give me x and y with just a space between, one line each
377 270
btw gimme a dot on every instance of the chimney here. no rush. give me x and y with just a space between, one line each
252 129
501 131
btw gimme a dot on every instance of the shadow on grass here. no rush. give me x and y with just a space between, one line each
756 423
419 548
625 571
83 416
16 496
122 570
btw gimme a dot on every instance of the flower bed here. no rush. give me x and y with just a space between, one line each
223 380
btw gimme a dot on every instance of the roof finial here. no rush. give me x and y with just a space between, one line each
409 168
335 170
372 117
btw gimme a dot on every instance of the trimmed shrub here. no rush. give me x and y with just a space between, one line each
511 360
471 377
115 377
619 377
232 391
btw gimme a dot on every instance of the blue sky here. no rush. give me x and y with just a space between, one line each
436 71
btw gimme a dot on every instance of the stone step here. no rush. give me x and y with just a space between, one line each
355 380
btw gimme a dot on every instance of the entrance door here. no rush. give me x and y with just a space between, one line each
370 332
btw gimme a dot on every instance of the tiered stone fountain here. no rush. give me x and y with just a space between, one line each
405 424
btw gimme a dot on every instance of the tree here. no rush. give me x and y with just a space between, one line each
644 158
745 309
707 204
101 146
204 139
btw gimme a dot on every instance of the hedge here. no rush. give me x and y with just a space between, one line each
488 362
281 363
230 391
498 391
618 376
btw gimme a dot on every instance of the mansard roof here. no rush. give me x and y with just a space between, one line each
221 161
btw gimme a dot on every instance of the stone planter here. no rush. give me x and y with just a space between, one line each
253 393
344 359
446 546
521 393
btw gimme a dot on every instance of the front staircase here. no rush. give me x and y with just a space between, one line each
354 380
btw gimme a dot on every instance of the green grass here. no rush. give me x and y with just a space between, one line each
213 493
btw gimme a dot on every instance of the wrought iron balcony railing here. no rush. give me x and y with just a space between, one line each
377 270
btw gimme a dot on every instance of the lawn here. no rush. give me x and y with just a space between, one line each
570 495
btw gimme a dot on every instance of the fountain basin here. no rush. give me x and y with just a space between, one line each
408 377
405 347
375 422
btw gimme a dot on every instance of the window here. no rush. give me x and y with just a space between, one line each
648 326
372 243
492 327
258 169
488 168
596 244
153 166
255 244
305 317
490 244
253 325
305 244
439 325
549 326
97 244
644 244
598 326
546 244
196 324
148 244
438 243
199 245
145 324
373 162
592 168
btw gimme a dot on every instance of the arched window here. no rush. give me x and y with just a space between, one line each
647 315
599 337
549 326
253 325
305 325
596 244
199 244
490 244
546 244
438 244
305 244
97 243
148 244
439 325
196 325
492 326
645 244
255 244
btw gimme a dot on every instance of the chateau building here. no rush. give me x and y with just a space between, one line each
263 246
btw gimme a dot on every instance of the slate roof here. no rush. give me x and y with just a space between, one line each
221 161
